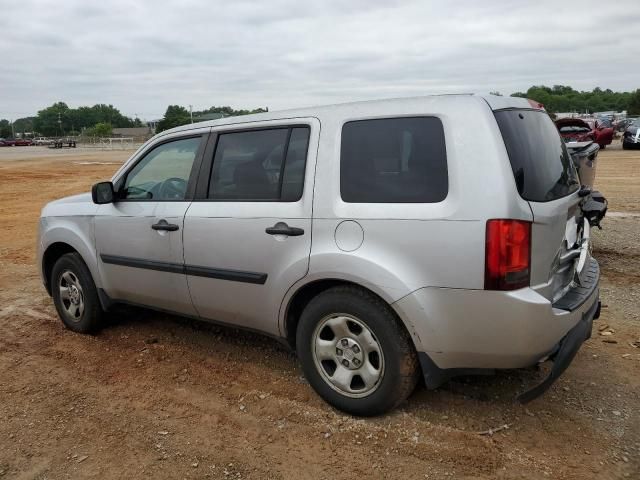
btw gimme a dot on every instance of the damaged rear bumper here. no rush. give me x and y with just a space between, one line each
565 352
506 331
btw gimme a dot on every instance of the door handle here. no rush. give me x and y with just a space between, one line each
282 228
163 225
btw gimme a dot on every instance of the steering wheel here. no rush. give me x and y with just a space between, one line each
173 189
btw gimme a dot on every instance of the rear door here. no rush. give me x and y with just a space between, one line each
247 236
546 177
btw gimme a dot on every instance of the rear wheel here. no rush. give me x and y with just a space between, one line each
75 295
355 353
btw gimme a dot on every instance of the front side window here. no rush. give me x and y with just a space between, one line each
393 160
260 165
163 174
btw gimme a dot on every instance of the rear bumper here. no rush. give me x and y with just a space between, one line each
566 351
461 331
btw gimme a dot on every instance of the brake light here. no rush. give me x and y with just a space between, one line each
507 255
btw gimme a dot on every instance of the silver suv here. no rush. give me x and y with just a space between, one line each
384 241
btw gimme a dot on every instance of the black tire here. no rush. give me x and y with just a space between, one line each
87 319
624 146
602 147
400 373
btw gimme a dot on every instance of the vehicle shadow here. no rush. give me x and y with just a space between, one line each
501 387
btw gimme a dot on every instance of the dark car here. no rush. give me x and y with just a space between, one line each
23 142
7 142
631 136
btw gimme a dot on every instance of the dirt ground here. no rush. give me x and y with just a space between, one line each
155 396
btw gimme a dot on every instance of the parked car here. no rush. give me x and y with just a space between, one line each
602 131
582 130
23 142
575 130
622 124
631 136
416 268
41 141
7 142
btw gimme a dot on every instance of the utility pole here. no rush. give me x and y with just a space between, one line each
191 112
59 124
13 133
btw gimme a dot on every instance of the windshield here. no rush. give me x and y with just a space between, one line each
541 164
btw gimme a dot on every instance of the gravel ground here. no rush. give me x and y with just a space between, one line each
155 396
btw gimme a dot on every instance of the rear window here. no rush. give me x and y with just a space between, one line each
393 160
541 164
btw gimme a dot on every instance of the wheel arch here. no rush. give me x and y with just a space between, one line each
68 237
299 297
49 258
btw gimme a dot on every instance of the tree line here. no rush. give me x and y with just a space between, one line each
99 120
177 115
561 98
58 119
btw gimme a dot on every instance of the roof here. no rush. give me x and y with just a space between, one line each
494 102
131 131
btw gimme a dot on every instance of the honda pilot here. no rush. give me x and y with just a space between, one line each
385 241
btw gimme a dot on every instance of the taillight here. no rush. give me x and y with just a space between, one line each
507 255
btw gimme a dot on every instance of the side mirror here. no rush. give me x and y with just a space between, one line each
102 192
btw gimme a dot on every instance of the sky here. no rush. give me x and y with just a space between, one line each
143 55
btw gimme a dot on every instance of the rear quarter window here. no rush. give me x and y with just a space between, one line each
393 160
540 162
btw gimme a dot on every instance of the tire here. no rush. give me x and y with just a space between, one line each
79 308
349 323
624 146
602 147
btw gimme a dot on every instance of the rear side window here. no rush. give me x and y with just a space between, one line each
393 160
541 164
260 165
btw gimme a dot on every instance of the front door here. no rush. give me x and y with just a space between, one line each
248 238
139 236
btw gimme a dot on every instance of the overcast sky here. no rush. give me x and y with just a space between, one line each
141 56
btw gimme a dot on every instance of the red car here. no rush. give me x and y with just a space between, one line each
603 134
7 142
23 142
584 130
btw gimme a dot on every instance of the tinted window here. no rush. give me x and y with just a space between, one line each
539 158
395 160
163 174
260 165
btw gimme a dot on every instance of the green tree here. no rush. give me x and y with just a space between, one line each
53 120
562 98
100 130
5 128
74 119
633 106
173 117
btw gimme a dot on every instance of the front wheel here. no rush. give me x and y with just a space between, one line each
75 295
355 353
